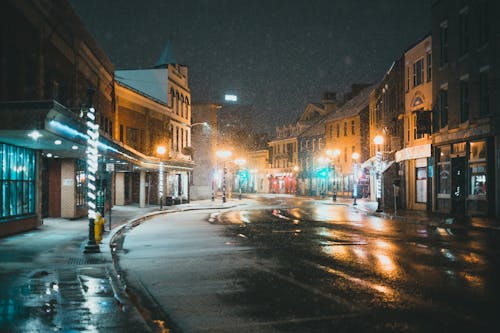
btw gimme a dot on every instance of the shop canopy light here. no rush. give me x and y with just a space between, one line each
35 135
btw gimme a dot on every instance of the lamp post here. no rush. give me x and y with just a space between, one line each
223 154
379 140
355 157
92 168
335 153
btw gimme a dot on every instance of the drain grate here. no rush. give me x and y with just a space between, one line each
85 261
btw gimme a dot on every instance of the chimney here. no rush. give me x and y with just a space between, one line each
329 101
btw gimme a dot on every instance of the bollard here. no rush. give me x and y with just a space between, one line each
98 228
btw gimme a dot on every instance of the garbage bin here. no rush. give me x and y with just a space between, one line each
169 201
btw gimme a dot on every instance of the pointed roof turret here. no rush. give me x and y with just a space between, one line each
167 57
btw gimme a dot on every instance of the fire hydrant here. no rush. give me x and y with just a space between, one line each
98 227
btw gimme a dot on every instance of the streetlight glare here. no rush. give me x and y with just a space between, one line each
355 156
378 140
161 150
223 153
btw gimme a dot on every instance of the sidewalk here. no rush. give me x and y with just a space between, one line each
418 216
48 284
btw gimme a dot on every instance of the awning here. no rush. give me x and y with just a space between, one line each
63 134
415 152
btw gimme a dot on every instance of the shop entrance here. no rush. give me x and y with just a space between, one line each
458 189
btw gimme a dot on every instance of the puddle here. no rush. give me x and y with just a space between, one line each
30 305
92 286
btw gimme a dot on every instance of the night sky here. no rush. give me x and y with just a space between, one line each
276 55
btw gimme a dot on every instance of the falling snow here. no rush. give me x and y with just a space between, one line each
276 55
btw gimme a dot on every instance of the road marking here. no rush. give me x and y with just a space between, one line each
279 322
339 300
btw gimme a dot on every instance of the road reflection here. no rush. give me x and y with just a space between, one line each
388 261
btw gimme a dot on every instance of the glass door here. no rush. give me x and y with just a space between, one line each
458 190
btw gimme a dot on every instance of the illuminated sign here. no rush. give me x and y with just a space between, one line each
231 98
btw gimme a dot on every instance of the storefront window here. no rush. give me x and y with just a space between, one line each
478 169
477 151
444 180
421 184
17 181
80 182
478 179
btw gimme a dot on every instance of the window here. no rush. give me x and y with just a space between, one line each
416 134
418 72
177 139
407 79
182 138
421 184
444 180
484 103
81 189
345 154
121 133
338 130
353 127
408 126
483 23
443 43
443 108
478 169
345 128
133 137
464 101
463 21
331 131
17 181
429 66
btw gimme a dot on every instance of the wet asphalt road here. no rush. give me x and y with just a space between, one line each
291 265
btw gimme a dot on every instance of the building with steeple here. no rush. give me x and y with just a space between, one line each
166 83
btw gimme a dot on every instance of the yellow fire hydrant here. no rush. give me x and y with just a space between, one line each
98 228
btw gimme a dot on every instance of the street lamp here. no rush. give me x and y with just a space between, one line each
223 154
204 123
379 141
335 153
355 157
